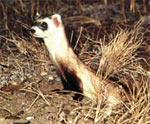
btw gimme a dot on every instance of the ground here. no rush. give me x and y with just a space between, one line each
31 92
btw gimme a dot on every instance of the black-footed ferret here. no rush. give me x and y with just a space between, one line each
76 75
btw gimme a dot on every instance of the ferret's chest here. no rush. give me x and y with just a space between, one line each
56 47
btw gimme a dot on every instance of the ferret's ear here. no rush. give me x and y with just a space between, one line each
36 16
57 19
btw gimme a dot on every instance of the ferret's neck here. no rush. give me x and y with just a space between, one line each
59 48
57 44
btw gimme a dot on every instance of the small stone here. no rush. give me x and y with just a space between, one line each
43 73
2 119
51 78
14 83
22 79
29 118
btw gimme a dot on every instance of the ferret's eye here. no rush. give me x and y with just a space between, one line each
44 26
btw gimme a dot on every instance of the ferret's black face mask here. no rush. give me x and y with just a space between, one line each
43 26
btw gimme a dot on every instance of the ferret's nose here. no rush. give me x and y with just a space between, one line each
32 31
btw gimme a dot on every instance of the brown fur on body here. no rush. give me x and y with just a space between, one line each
77 76
82 79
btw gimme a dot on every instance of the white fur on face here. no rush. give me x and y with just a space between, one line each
46 33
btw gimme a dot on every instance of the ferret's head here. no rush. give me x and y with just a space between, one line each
46 27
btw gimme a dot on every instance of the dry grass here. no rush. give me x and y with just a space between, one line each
132 5
119 55
119 58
